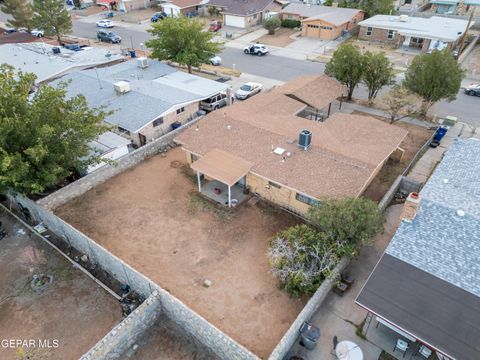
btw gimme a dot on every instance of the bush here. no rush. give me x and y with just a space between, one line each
302 257
288 23
271 24
355 220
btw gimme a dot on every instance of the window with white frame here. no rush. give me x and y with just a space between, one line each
391 34
369 31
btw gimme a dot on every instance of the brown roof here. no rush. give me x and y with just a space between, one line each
222 166
345 151
183 4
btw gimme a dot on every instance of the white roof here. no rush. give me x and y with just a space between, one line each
441 28
38 58
109 141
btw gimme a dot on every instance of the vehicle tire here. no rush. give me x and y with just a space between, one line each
471 93
215 107
40 35
246 52
259 53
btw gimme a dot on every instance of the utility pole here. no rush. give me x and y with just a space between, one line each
462 40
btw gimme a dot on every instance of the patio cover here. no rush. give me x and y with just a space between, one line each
439 314
222 166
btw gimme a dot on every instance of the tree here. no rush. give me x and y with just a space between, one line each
272 24
183 41
355 220
347 66
21 12
52 17
400 103
378 73
434 77
44 137
301 258
375 7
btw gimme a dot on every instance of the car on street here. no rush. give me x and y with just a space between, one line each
215 25
108 36
38 33
256 49
472 89
11 30
158 16
216 60
105 23
247 90
215 102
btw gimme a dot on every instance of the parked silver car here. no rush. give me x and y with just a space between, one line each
215 102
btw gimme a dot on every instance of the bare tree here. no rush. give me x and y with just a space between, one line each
400 103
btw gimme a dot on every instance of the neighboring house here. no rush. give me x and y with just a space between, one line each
414 32
146 97
323 22
255 144
410 5
426 288
125 5
41 60
455 7
108 146
245 13
185 7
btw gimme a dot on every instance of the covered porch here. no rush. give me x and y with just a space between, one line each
226 174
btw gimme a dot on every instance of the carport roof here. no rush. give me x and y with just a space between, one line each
222 166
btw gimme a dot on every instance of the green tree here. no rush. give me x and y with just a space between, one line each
378 73
434 77
44 137
375 7
355 220
182 40
347 66
272 24
21 12
52 17
302 257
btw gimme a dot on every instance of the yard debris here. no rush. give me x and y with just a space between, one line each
207 283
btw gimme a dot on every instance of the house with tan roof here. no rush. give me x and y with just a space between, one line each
272 145
181 7
323 22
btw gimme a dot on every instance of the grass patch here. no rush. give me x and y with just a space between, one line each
198 202
386 356
221 70
359 328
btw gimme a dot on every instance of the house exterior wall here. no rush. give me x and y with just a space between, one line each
291 16
253 20
134 5
379 35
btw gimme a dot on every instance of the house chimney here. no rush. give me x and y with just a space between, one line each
410 207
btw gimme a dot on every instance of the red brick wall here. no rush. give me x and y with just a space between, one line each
379 35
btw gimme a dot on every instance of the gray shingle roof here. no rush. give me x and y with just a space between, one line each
241 7
439 241
335 16
155 91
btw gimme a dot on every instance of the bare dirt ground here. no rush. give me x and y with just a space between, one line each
472 62
73 309
280 38
148 218
166 341
416 138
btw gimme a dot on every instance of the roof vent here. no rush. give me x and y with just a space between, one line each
460 213
279 150
122 87
142 62
445 181
403 18
305 139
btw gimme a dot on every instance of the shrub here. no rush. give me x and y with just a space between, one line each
302 257
288 23
271 24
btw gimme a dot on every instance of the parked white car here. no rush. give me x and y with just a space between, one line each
38 33
105 23
247 90
216 60
256 49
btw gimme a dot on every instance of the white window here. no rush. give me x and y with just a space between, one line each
369 31
391 34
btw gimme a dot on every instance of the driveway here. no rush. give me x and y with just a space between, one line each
340 316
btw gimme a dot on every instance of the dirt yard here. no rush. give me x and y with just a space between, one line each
472 62
149 217
281 38
72 310
166 341
416 138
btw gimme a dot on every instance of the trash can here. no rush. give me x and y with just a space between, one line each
309 335
133 54
176 125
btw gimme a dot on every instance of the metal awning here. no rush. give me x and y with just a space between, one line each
222 166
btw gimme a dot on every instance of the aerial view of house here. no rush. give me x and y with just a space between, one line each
271 146
454 7
323 22
424 34
147 98
425 287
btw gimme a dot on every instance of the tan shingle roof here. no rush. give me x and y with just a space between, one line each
345 149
